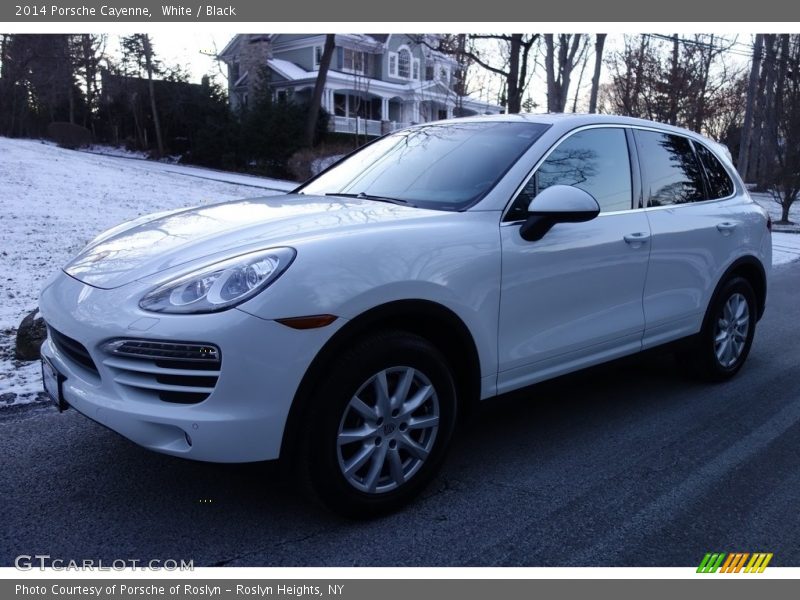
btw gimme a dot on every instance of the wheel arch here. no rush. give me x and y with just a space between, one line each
751 269
431 320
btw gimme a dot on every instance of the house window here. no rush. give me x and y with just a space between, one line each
416 68
317 56
354 60
404 63
393 64
429 73
444 74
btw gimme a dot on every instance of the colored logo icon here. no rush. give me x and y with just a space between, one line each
734 562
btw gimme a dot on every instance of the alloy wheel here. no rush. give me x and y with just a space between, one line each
388 430
733 325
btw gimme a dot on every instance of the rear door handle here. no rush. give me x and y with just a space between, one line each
636 239
726 227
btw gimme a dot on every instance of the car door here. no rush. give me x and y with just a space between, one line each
574 297
692 231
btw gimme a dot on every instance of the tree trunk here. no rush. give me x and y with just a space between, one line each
774 113
585 60
319 87
760 113
672 116
71 96
743 161
769 130
599 43
514 100
550 70
148 57
559 69
700 105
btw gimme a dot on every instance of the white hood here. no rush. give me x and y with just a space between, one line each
150 246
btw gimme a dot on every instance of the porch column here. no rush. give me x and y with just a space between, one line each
347 105
384 109
415 112
449 111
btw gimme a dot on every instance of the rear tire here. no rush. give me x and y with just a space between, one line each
379 425
722 346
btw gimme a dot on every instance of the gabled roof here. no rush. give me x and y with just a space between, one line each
288 70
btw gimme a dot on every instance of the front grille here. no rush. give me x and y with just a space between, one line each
72 349
178 372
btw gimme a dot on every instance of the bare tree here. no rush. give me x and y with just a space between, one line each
766 81
783 175
89 50
561 57
599 43
583 59
743 163
683 81
513 66
139 49
319 87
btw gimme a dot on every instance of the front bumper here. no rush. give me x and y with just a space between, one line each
242 419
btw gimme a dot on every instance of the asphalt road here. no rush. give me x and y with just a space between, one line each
630 464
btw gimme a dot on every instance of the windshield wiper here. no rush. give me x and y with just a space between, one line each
363 196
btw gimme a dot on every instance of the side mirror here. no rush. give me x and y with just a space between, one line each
557 204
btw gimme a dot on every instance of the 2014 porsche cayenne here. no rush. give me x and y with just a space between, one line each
345 326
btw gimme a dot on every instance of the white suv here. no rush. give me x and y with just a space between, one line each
345 326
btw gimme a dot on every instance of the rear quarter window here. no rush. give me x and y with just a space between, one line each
719 182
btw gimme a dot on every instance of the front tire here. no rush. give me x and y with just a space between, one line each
722 346
379 425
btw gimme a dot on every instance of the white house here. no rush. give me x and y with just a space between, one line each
376 82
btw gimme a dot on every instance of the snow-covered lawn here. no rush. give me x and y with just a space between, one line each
53 201
785 247
774 210
785 238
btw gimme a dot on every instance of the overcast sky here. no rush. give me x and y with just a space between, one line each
189 50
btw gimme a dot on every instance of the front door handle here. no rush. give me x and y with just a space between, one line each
726 227
636 239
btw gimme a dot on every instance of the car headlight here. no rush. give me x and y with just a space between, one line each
220 285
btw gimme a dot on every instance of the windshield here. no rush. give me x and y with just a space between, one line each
446 166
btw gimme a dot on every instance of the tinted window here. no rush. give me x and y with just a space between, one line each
719 183
446 166
671 173
595 160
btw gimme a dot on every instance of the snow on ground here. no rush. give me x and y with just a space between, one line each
785 238
774 210
54 201
785 247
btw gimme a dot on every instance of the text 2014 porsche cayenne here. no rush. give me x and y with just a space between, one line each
347 325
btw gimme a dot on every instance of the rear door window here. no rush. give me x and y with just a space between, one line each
671 172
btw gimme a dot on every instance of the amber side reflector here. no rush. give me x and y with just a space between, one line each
309 322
